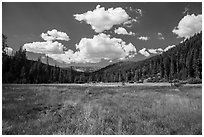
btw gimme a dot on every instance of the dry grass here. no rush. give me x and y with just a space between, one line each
64 109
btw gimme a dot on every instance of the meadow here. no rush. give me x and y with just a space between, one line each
104 110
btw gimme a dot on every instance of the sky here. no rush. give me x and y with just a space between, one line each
98 33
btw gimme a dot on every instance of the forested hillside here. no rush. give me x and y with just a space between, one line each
18 69
181 62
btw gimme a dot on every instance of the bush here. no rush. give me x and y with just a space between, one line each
163 80
177 84
183 82
195 81
140 81
175 81
149 80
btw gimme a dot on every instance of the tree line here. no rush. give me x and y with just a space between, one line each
181 62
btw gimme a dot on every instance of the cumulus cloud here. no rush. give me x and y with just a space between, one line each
169 47
101 19
158 50
147 52
130 22
50 46
160 36
143 38
155 51
123 31
67 57
55 35
93 50
144 52
9 51
47 47
188 26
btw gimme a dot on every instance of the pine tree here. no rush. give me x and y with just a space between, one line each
162 68
189 64
173 67
166 67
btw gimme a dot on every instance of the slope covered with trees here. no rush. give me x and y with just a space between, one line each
181 62
18 69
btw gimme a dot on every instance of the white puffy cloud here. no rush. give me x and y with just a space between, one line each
144 52
169 47
160 36
101 19
94 49
158 50
130 22
147 52
67 57
55 35
50 46
123 31
143 38
188 26
47 47
46 37
9 51
155 51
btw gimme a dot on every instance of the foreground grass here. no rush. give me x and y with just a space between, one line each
51 109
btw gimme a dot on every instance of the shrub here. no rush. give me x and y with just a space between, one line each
163 80
149 80
194 81
183 82
175 81
140 81
177 84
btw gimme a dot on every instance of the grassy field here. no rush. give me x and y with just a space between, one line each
71 109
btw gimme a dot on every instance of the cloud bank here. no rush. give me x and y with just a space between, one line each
49 46
93 50
188 26
148 52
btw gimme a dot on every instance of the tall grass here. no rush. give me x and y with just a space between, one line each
102 110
